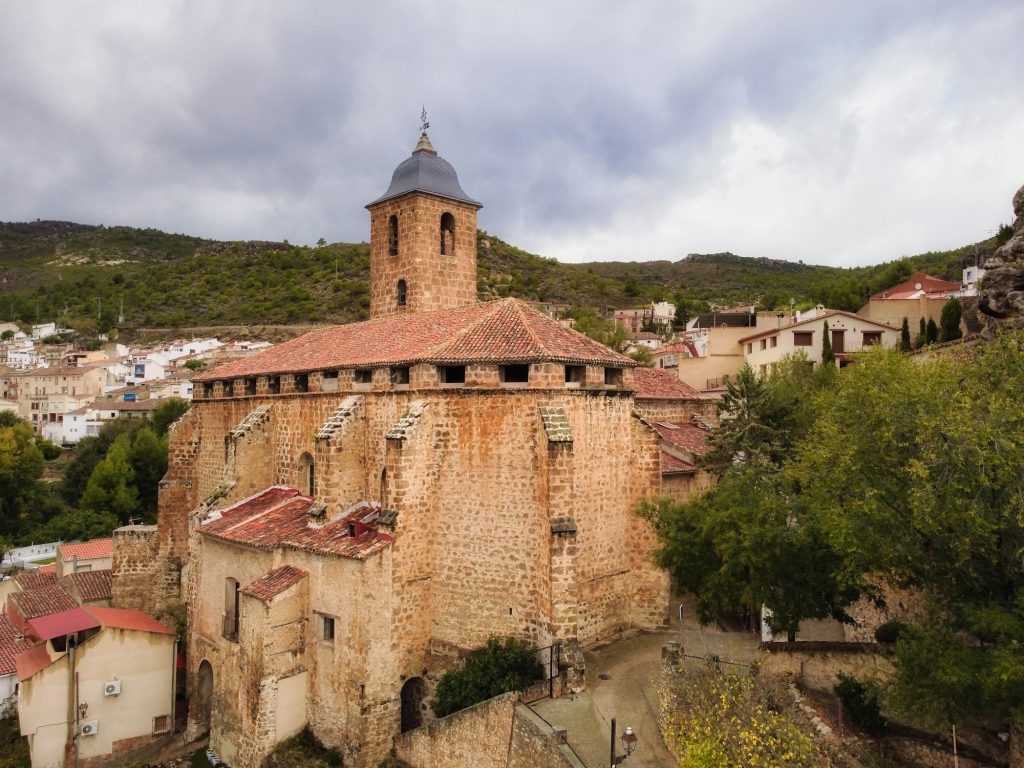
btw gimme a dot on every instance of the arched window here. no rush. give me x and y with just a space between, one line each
393 235
307 475
413 698
401 293
447 234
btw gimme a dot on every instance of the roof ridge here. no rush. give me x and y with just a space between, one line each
460 334
519 307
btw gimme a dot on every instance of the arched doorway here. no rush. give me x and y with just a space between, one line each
414 699
204 695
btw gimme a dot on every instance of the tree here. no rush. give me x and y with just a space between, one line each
111 486
21 467
149 462
682 316
905 335
167 413
80 524
7 335
501 666
914 470
827 356
931 332
749 542
950 318
195 364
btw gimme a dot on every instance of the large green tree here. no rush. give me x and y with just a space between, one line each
915 473
949 320
21 467
111 486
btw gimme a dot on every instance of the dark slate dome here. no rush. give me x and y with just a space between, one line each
426 172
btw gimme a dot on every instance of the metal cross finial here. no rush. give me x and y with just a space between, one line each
423 120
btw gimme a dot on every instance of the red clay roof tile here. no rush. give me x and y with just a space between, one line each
670 465
11 644
87 550
507 330
42 601
278 517
687 437
274 582
35 579
659 384
91 585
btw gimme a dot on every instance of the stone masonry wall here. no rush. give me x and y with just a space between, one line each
134 567
433 281
818 665
497 733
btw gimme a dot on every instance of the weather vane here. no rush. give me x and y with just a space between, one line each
423 120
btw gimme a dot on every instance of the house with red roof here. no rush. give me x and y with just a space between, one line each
346 514
921 296
94 684
79 557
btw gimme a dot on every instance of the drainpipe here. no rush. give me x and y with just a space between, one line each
174 684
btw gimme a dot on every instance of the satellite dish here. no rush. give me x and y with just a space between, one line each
917 286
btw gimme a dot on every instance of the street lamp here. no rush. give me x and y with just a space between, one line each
628 744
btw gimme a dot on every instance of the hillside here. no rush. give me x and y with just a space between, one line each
83 273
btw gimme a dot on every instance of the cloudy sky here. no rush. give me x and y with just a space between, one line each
832 132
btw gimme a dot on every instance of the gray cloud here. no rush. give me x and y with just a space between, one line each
831 132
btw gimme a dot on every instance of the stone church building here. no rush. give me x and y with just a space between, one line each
347 513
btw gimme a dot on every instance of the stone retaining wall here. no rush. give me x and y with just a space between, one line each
497 733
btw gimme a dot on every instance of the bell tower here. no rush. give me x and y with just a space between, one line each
422 238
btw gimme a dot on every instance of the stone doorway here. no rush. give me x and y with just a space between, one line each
204 696
414 699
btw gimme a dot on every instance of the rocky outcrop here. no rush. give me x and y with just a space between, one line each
1001 297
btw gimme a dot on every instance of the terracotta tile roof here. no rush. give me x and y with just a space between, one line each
51 568
507 330
686 437
119 618
42 601
274 582
90 585
670 465
38 578
659 384
278 517
87 550
11 644
827 314
908 288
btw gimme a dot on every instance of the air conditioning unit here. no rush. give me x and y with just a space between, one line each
90 728
112 688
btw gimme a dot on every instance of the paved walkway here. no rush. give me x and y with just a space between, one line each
632 666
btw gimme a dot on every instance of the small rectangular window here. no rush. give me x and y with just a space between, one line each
302 382
327 628
364 376
207 389
250 386
750 348
514 374
274 385
453 374
872 338
399 376
229 388
764 343
613 377
775 342
803 338
575 374
161 724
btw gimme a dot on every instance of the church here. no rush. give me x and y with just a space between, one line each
348 513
